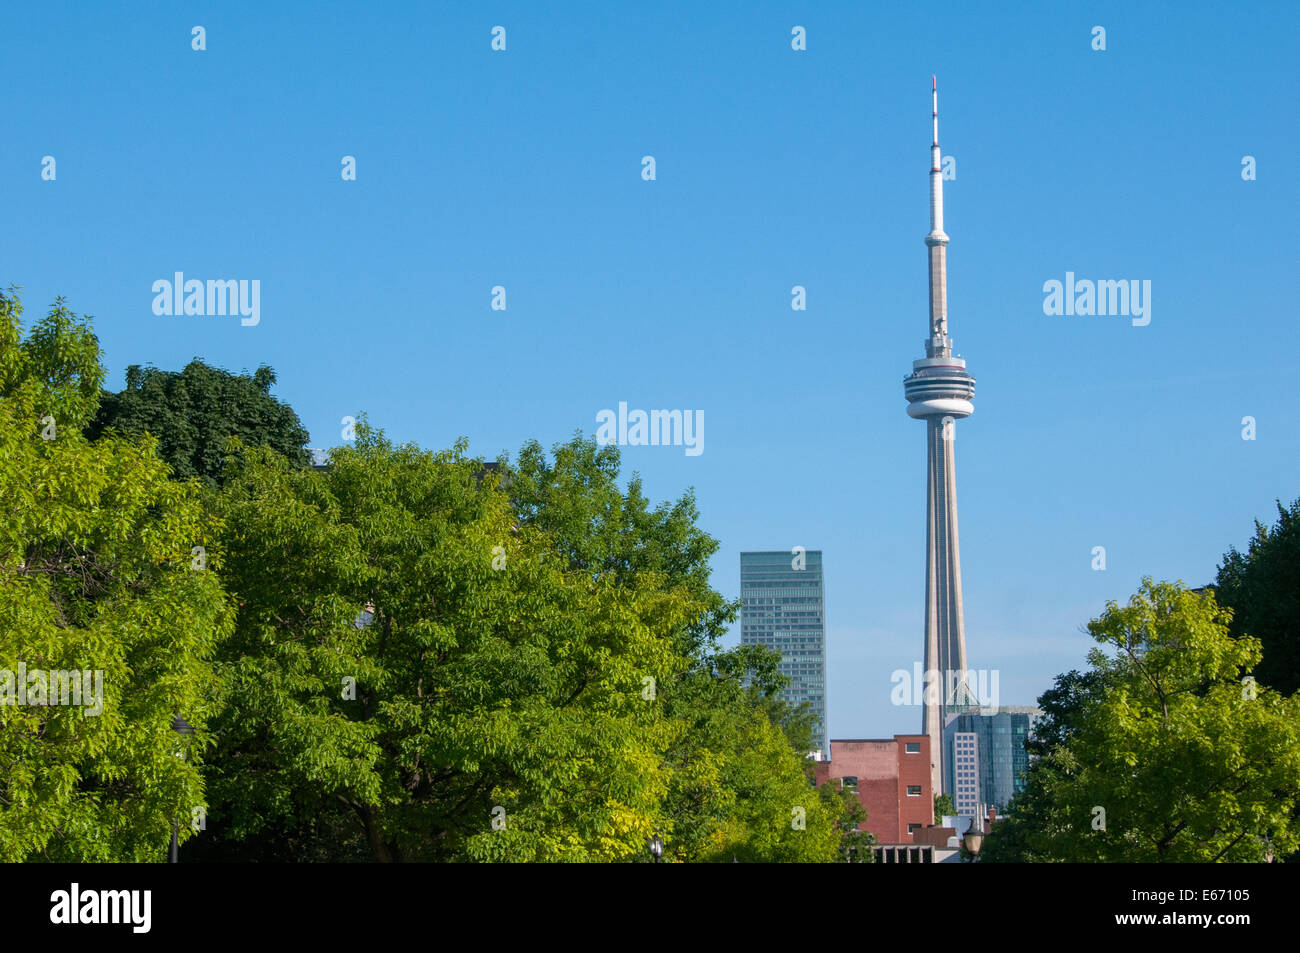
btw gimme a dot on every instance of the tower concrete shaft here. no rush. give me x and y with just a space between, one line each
939 391
945 630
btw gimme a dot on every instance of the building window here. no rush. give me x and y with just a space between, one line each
914 790
850 784
913 747
913 828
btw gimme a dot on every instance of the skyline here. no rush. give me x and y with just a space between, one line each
775 169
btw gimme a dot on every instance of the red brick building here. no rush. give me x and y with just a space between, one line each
892 779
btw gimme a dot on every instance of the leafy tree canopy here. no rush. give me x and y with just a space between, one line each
1162 752
194 412
97 578
532 676
1262 588
943 807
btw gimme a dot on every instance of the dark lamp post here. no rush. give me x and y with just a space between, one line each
656 847
184 729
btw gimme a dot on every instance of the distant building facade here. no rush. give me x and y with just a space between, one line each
965 773
985 756
892 779
783 606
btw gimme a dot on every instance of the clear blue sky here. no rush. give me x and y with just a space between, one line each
775 168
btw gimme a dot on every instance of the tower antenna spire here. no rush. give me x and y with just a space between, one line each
938 241
934 99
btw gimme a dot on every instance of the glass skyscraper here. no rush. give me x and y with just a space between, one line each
986 755
784 608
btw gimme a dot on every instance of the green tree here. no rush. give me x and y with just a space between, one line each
194 412
540 657
738 787
97 575
1262 588
855 844
1063 704
737 766
1161 752
493 682
943 807
600 529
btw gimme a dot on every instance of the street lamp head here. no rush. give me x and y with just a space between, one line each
974 838
181 726
656 847
1268 849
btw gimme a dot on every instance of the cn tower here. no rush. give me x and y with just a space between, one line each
939 391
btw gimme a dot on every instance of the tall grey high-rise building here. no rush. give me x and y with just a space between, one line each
783 606
939 391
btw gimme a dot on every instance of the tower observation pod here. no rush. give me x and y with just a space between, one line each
939 391
939 385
